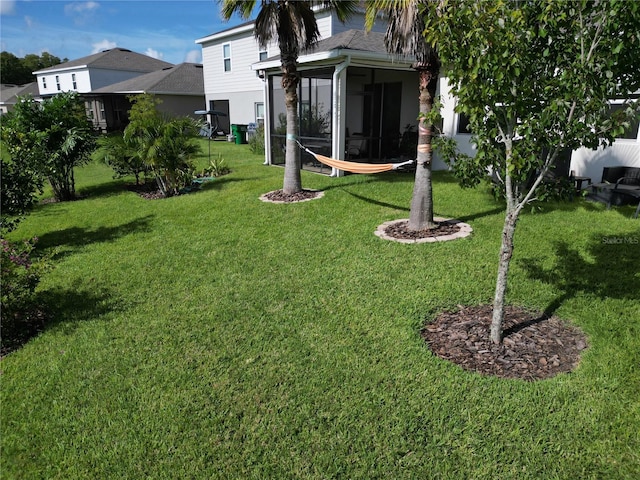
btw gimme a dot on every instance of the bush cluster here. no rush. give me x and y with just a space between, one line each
20 274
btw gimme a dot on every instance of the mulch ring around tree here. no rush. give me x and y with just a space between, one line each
534 346
278 196
445 229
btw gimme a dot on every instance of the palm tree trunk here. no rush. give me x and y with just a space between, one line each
421 215
292 178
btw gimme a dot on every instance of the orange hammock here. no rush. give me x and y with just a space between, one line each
355 167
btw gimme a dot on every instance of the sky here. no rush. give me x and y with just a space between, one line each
163 29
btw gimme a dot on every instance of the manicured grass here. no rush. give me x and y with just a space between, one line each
215 336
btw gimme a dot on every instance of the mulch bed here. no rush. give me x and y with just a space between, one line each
148 190
280 196
401 230
534 346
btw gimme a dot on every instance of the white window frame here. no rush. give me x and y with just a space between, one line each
58 83
257 107
226 57
625 139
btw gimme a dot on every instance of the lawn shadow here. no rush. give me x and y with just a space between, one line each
377 202
219 182
77 237
608 269
106 189
465 218
52 308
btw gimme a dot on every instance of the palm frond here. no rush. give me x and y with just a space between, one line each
243 8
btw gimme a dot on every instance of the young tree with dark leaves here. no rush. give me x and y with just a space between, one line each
53 136
535 78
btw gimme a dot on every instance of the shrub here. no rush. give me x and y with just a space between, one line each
216 168
20 275
256 141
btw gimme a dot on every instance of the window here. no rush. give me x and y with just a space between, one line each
58 82
226 53
103 115
630 133
261 57
259 112
44 82
463 124
89 109
73 79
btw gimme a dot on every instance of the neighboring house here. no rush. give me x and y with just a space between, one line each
230 85
180 89
9 95
90 73
95 71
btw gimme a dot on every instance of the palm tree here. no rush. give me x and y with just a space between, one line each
293 24
404 36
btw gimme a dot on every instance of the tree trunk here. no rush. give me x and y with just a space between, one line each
506 252
290 80
421 215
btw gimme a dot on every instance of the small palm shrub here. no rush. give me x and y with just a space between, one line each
216 168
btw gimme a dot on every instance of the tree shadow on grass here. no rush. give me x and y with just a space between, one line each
466 218
377 202
218 182
53 308
608 269
74 237
105 189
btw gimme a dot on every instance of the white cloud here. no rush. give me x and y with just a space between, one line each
7 7
194 56
80 7
150 52
28 21
103 45
82 12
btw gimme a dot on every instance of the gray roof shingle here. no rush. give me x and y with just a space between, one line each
9 93
114 59
182 79
351 40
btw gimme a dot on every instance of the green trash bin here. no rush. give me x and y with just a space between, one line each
239 132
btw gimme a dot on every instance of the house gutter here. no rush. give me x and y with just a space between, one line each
338 119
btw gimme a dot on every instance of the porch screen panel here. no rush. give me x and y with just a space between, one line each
277 119
314 114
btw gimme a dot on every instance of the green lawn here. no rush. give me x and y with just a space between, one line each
215 336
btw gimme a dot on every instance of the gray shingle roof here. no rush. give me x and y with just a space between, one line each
114 59
182 79
351 40
354 40
9 93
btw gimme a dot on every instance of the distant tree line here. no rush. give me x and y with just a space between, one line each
19 71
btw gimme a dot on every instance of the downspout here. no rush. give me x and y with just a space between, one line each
266 120
338 119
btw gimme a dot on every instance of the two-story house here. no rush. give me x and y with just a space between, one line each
86 74
355 100
179 88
